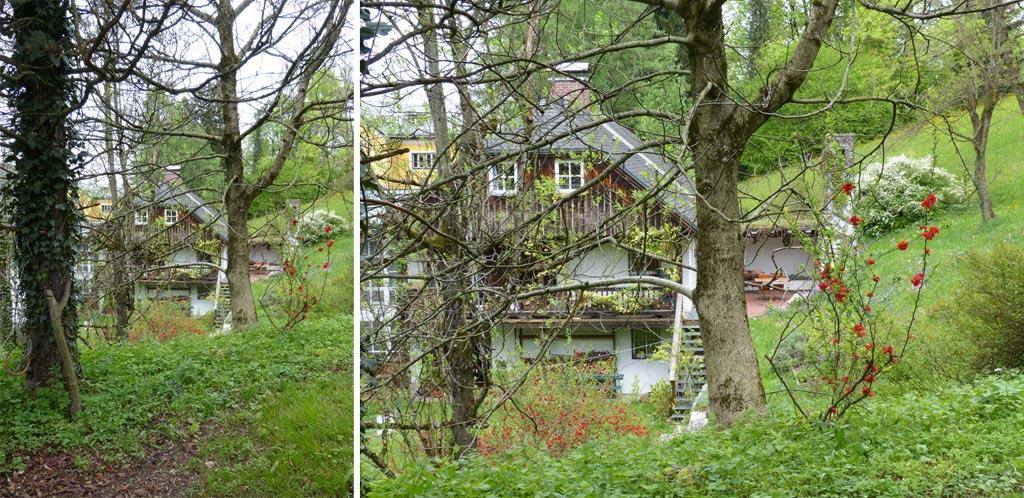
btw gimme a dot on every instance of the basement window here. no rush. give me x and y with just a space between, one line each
645 343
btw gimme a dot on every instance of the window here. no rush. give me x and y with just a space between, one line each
645 343
376 293
503 178
568 175
170 216
421 160
106 208
141 217
375 338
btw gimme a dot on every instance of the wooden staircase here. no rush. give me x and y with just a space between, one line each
691 376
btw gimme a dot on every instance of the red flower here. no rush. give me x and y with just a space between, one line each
326 265
846 379
869 346
295 222
871 294
823 285
834 409
847 188
320 249
928 251
869 379
874 277
867 308
871 262
841 295
916 280
327 229
859 330
887 349
902 245
929 201
855 220
330 243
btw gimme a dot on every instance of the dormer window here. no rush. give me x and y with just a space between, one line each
170 216
568 175
142 217
503 178
421 160
106 208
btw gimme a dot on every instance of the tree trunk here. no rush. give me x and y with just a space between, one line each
41 91
238 195
121 287
980 143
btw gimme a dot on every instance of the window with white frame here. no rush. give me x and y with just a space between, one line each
568 175
106 208
170 216
421 160
141 217
503 178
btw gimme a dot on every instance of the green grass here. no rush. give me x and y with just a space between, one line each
300 444
957 442
134 393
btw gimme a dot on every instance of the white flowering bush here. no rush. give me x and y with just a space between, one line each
891 193
313 226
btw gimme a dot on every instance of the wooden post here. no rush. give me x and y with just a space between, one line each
68 365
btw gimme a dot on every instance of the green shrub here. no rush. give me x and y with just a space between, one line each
987 306
662 398
963 441
891 192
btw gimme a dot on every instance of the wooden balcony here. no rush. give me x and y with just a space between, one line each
611 306
600 211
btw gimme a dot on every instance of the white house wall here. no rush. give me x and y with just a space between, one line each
770 254
183 256
602 262
637 375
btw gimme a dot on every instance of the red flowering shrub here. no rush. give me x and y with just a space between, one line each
561 406
300 296
165 319
854 344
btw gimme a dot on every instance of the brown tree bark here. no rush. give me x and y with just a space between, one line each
719 131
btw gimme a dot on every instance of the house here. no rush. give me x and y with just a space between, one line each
775 248
176 242
545 161
186 247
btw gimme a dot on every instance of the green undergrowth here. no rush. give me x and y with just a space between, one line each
300 444
961 441
136 394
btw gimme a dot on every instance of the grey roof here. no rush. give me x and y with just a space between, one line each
170 194
562 131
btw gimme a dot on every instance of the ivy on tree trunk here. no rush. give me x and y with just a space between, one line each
41 95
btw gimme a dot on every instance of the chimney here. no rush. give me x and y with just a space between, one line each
171 176
570 83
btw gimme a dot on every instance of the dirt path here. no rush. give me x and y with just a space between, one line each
164 472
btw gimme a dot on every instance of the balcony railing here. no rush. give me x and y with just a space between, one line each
600 210
626 300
